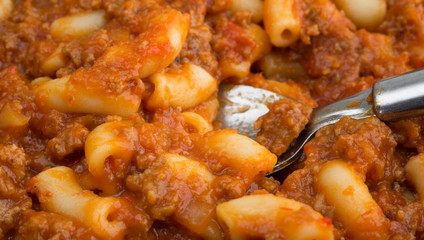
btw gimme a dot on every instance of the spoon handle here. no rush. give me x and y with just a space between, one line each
399 97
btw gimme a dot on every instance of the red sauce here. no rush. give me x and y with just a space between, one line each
336 59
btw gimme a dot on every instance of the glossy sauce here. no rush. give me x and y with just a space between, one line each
335 60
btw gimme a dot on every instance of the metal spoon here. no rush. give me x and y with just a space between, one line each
391 99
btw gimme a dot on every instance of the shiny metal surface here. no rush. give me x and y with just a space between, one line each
391 99
400 97
240 106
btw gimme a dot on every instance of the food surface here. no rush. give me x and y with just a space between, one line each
107 127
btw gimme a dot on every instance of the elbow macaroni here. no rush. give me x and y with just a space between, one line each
78 25
353 204
242 156
281 23
197 122
195 213
207 109
172 33
63 95
113 139
275 64
12 116
185 87
239 70
264 215
6 7
184 168
364 13
261 39
53 62
414 173
58 191
254 6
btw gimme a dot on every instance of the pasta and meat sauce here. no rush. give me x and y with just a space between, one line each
107 124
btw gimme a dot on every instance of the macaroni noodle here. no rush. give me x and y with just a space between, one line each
365 14
243 216
58 191
11 116
255 7
78 25
281 22
186 87
354 205
6 7
413 170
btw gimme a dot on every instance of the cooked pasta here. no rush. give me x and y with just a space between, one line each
413 170
281 22
59 192
354 205
78 25
365 14
186 87
54 62
57 94
108 129
261 39
247 161
277 64
11 115
109 140
254 6
256 216
6 7
196 121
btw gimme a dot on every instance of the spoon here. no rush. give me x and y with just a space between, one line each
391 99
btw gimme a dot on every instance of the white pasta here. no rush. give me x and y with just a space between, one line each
353 204
57 95
240 155
78 25
198 122
198 216
58 191
254 6
6 7
11 115
185 168
235 69
53 62
364 13
275 64
281 22
261 39
414 173
185 87
112 139
262 215
176 27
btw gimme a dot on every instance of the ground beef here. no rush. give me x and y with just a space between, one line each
283 123
68 141
409 133
46 225
13 198
339 60
366 144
